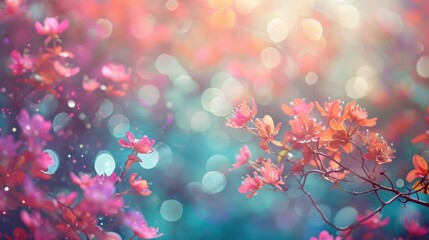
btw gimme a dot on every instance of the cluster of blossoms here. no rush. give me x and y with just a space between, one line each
53 63
328 148
24 162
67 215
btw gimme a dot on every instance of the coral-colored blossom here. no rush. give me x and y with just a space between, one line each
144 145
378 149
414 228
251 184
242 115
51 26
298 108
272 174
359 115
332 110
324 235
242 157
139 185
139 226
115 72
20 63
373 222
420 169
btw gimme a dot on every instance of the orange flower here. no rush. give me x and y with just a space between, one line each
267 131
332 109
359 115
378 149
304 129
420 168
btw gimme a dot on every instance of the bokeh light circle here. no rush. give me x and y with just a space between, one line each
104 163
213 182
171 210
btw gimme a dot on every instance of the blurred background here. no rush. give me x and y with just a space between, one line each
191 62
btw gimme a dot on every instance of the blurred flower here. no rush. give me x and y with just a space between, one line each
65 71
139 185
90 84
143 145
35 127
242 157
51 26
324 235
20 64
373 222
298 108
414 228
115 72
8 147
242 115
378 149
251 184
420 169
138 225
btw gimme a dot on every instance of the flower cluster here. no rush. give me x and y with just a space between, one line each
334 142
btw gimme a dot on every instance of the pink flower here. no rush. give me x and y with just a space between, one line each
33 220
242 115
115 72
139 226
414 228
51 26
139 185
8 147
251 184
43 161
143 145
20 64
84 180
373 222
67 199
35 127
242 157
90 84
65 71
298 108
272 174
324 235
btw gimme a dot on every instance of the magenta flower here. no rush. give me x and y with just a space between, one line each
139 185
35 127
144 145
324 235
242 157
251 184
33 220
242 115
43 161
272 174
115 72
84 180
51 26
90 84
414 228
20 64
8 147
139 226
373 222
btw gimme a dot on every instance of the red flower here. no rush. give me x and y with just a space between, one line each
143 145
251 184
242 158
414 228
242 115
51 26
139 185
373 222
298 108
